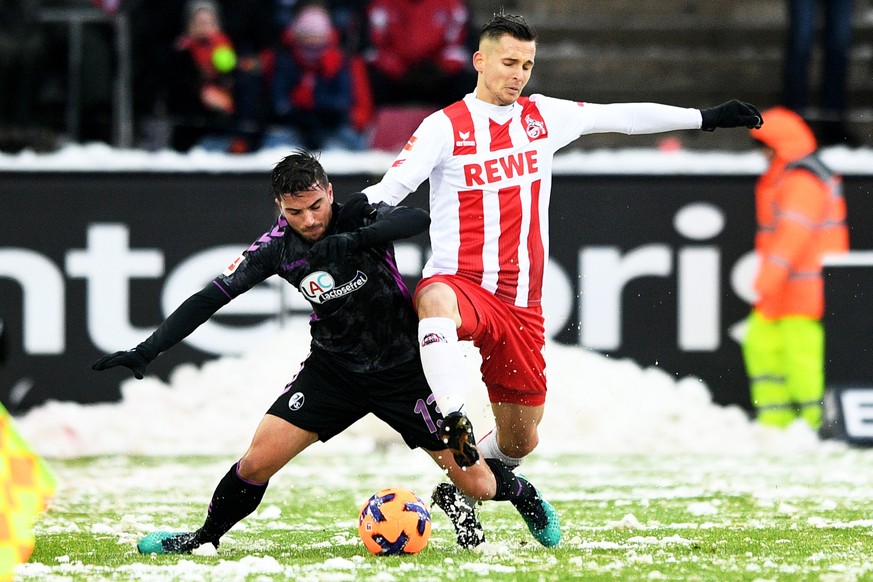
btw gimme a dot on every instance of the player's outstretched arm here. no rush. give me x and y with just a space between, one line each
185 319
734 113
383 225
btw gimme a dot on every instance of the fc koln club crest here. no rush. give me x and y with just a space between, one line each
535 128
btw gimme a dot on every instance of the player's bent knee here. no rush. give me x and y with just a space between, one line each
256 468
520 447
436 300
528 447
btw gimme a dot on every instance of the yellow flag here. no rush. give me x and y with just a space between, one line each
26 485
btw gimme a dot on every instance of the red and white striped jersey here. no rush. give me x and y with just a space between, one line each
490 173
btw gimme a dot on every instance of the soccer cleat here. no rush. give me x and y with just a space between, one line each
541 519
461 512
168 542
456 432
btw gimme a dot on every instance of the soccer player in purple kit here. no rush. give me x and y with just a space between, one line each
364 353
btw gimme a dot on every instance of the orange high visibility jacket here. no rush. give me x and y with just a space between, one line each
801 216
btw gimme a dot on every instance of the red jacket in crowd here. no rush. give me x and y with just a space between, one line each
406 33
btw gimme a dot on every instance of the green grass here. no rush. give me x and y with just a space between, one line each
670 517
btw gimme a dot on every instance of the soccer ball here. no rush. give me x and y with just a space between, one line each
394 521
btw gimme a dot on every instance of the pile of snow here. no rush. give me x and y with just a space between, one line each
595 405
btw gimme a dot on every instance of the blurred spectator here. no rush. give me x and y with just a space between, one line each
320 97
22 50
830 123
417 52
248 24
200 94
155 30
349 18
801 216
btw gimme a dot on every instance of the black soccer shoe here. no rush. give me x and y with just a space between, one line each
456 432
167 542
461 512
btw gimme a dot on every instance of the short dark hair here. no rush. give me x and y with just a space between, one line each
512 24
299 171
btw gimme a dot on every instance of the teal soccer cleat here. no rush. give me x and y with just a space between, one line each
168 542
541 519
549 534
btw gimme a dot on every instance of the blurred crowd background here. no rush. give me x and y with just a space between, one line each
241 75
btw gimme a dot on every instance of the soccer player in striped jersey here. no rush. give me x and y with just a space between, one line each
489 158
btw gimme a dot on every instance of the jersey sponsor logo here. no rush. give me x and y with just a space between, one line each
320 287
410 143
464 140
497 169
231 268
296 401
398 162
433 338
315 284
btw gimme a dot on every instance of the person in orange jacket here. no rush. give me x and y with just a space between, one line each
801 216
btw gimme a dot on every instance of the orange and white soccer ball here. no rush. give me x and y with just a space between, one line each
394 521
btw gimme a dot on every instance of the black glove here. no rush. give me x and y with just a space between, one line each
354 212
731 114
134 359
334 247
